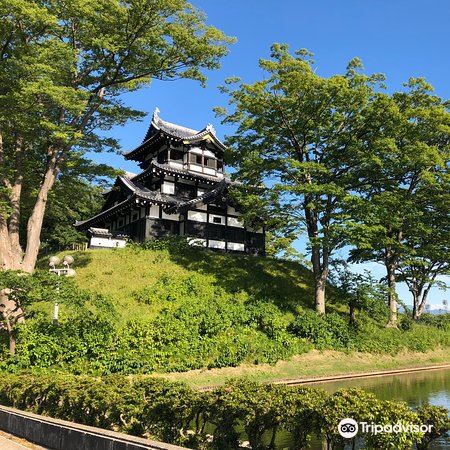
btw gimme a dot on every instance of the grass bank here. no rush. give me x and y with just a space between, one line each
313 364
175 308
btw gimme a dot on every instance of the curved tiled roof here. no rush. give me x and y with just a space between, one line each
137 192
176 171
142 192
169 128
176 131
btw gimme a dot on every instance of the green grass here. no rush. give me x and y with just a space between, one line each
178 309
121 273
312 365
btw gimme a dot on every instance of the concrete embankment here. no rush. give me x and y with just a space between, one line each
55 434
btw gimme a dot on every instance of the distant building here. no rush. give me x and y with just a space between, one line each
182 190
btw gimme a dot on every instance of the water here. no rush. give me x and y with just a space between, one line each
413 388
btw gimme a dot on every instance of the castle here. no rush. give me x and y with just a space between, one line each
181 190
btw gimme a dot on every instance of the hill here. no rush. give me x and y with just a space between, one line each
141 281
173 308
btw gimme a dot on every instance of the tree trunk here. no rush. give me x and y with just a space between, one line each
420 291
415 311
352 312
392 294
319 294
12 339
15 198
34 226
420 310
12 344
320 280
422 301
6 257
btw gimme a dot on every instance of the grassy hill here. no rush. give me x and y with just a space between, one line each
127 274
179 308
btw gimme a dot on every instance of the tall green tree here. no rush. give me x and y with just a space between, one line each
63 68
426 263
399 183
303 136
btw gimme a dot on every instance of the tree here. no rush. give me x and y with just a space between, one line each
77 194
63 68
360 291
428 248
408 162
69 201
303 136
12 314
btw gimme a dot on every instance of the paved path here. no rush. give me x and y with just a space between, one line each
9 442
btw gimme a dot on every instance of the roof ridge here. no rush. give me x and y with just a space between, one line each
160 123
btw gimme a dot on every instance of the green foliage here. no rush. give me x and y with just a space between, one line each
194 309
325 331
303 413
302 137
441 321
437 417
373 338
65 69
361 291
172 243
353 403
197 324
393 413
72 198
240 410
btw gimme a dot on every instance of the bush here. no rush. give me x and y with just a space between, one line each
441 321
329 331
194 322
419 338
437 417
172 243
241 409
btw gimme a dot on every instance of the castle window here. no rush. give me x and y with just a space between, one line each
210 162
197 216
219 220
162 157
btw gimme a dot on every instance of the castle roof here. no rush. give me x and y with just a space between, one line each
138 194
177 132
157 168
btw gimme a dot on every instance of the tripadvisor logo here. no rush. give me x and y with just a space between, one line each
348 428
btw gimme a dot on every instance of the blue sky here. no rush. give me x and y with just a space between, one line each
398 38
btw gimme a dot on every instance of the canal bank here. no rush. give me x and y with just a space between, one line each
317 365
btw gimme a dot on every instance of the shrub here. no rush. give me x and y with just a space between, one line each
325 331
241 409
441 321
392 413
437 417
173 243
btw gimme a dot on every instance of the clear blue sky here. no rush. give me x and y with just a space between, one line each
400 38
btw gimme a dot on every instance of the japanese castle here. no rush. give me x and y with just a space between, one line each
181 190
